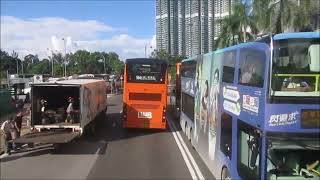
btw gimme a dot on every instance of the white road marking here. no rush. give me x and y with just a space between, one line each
184 155
195 165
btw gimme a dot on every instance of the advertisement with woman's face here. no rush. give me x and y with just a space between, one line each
213 106
197 99
204 86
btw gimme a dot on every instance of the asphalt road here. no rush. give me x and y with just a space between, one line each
113 153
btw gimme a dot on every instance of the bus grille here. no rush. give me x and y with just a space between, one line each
145 96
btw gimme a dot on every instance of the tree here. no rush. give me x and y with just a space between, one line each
8 63
80 62
283 15
43 67
172 60
237 27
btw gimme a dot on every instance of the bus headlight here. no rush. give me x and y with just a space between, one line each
164 114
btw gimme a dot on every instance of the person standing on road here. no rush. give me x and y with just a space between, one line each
70 111
9 128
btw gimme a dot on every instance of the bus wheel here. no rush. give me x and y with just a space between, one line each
225 175
185 130
30 145
55 146
190 134
93 129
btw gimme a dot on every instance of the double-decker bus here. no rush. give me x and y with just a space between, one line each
252 110
145 93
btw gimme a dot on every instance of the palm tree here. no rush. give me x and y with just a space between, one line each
237 27
282 15
245 20
229 32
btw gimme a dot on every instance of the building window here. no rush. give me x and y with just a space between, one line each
251 68
229 59
248 148
226 134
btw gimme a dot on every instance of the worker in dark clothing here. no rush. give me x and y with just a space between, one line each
18 121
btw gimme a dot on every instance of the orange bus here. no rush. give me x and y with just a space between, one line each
145 93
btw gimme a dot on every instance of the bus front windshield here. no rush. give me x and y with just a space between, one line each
152 72
296 68
293 159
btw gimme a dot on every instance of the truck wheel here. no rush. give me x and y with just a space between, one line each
225 175
93 128
185 130
30 145
55 146
89 130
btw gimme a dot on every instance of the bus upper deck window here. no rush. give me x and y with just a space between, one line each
251 69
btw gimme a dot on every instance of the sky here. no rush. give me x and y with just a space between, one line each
39 27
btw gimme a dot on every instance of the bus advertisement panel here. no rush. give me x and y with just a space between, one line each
188 92
145 93
256 108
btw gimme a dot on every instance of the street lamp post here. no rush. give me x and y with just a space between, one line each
65 57
15 56
145 50
51 61
22 68
104 64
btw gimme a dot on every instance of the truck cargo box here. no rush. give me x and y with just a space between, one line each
89 101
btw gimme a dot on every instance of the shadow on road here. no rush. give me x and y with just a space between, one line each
38 151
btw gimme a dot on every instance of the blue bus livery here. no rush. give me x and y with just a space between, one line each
252 110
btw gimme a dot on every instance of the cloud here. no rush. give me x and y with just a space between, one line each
42 35
123 44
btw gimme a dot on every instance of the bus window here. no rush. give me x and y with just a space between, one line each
146 72
229 59
248 151
188 105
188 69
226 134
251 68
292 158
295 68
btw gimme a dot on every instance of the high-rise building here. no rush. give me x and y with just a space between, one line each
189 27
181 27
162 25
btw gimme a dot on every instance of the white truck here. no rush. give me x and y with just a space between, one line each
48 120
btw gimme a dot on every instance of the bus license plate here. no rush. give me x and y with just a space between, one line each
144 115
